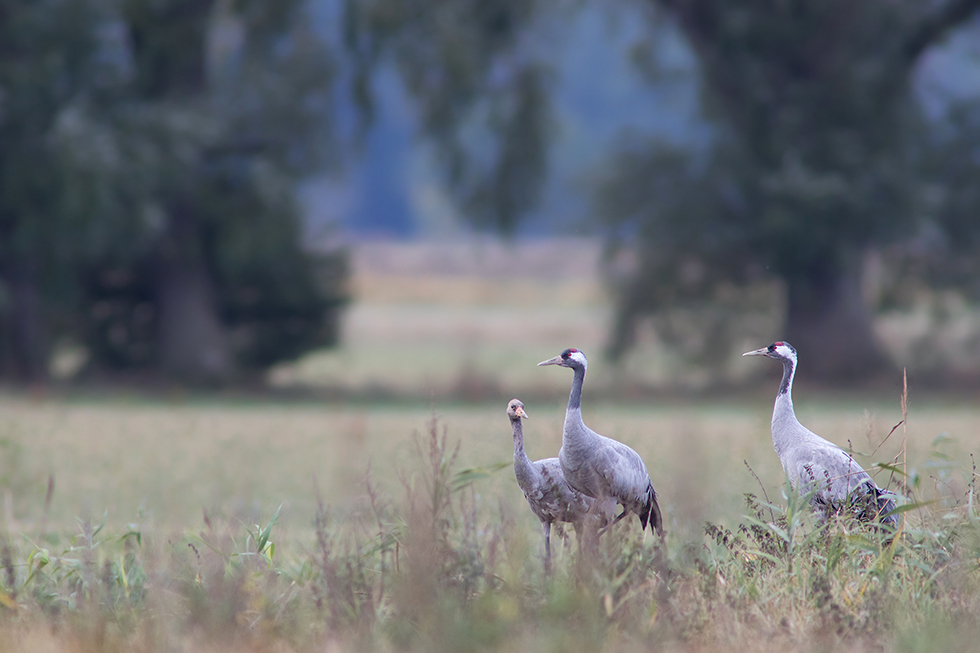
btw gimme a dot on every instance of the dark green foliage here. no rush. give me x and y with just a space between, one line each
817 155
480 89
267 324
147 202
167 41
276 300
945 253
48 68
757 535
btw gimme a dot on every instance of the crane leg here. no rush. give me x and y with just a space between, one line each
610 525
579 534
546 527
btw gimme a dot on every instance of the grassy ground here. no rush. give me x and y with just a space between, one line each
434 549
192 523
175 459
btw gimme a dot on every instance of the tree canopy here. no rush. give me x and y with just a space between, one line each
150 154
151 150
819 155
480 89
819 149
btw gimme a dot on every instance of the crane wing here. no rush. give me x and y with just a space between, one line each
829 469
622 472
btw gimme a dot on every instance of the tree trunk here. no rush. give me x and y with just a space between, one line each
27 348
193 345
830 326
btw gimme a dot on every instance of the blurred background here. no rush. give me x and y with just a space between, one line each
420 199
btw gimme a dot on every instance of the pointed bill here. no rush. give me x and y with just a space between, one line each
757 352
522 413
551 361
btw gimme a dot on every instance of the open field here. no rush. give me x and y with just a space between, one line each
177 459
287 523
471 320
199 480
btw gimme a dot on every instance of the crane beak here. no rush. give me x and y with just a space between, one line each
764 351
551 361
522 413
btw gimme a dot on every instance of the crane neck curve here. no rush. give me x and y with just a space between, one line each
575 397
783 409
575 434
519 454
523 468
786 385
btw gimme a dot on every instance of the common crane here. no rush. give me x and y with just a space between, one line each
815 465
599 467
550 496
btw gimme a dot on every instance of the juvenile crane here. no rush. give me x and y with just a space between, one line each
814 464
550 496
606 470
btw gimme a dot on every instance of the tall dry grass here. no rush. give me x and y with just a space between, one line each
434 558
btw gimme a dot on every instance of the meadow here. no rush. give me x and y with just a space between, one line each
380 512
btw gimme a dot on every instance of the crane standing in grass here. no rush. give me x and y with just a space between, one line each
606 470
815 465
550 496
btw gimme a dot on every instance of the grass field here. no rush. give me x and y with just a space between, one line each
197 582
215 523
176 459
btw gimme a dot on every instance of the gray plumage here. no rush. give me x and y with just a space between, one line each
600 467
550 496
811 462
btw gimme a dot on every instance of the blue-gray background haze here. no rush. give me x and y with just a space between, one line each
196 191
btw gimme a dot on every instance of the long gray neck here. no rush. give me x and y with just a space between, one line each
783 415
575 397
786 385
575 434
522 464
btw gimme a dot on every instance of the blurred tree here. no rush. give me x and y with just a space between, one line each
47 66
227 107
817 152
476 72
179 168
936 272
953 173
817 156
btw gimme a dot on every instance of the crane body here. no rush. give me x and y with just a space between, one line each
815 466
599 467
548 493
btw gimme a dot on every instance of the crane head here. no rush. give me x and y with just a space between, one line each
571 357
515 409
780 350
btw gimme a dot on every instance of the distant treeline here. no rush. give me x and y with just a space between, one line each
151 151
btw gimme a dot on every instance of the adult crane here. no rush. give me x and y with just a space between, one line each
815 466
599 467
550 496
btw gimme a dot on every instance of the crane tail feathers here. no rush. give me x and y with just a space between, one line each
885 506
871 503
650 513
